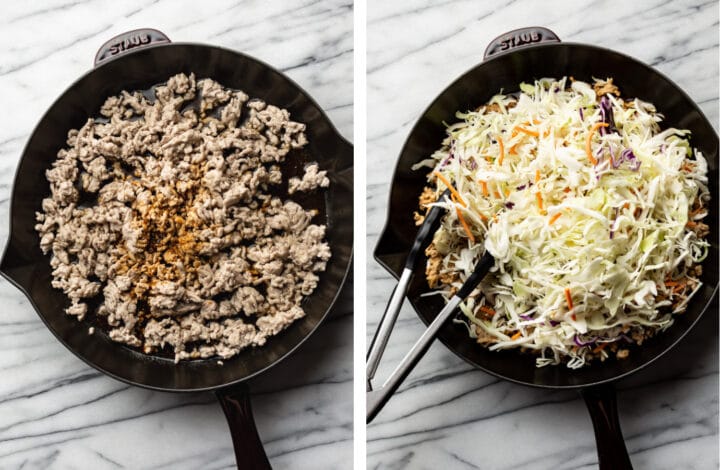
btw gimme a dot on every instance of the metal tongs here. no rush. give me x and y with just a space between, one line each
376 399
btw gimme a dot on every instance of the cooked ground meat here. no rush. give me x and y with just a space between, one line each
312 179
165 213
427 197
605 87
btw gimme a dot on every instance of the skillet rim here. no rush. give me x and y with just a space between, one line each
387 227
11 217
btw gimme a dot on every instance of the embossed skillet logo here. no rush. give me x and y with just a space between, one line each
129 42
520 39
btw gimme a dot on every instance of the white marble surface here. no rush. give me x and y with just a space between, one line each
56 412
448 415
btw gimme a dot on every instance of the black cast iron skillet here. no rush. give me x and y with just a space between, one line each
138 60
525 55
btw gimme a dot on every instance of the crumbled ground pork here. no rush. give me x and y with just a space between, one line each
312 179
165 214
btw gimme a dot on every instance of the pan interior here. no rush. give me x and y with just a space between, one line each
29 269
476 87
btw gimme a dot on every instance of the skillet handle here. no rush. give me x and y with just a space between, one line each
518 38
125 42
249 450
601 401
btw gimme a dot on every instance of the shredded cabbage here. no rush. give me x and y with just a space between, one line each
590 249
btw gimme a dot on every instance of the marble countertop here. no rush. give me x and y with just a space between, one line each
55 411
448 415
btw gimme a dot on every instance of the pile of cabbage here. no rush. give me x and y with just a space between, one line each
586 205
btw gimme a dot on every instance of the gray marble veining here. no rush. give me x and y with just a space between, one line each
55 411
447 415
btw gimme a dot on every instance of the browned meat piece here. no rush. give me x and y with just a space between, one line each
432 269
701 229
483 337
313 178
427 197
605 87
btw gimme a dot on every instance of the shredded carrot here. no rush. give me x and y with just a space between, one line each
496 194
671 283
566 190
513 150
487 310
554 218
465 225
679 288
526 131
450 187
502 151
626 205
488 159
537 121
507 192
600 347
547 132
697 211
516 336
494 217
537 176
573 317
454 199
483 185
588 148
691 223
538 196
568 298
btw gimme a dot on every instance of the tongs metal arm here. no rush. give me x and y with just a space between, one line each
376 399
387 322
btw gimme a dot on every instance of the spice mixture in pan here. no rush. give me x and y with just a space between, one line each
166 212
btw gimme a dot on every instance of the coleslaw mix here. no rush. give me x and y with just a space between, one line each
592 212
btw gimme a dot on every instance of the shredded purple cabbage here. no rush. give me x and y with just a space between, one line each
526 316
509 205
607 116
447 160
577 341
554 323
582 116
626 338
523 186
628 156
